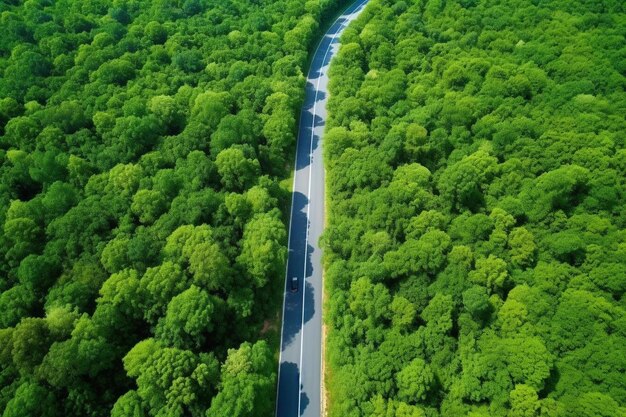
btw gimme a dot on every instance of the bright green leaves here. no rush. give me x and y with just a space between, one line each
23 237
170 382
580 317
247 383
368 300
238 172
425 255
464 182
31 341
301 34
116 71
159 285
524 402
596 404
209 108
121 290
139 356
476 302
522 247
382 408
155 32
143 146
206 261
128 405
414 381
169 111
528 360
560 189
402 312
499 364
263 253
190 316
148 205
360 169
490 272
32 400
495 241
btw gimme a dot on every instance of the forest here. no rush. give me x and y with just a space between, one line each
476 249
144 147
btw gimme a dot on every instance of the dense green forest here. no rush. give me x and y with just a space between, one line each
142 240
476 252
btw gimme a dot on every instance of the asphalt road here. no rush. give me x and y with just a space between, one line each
299 373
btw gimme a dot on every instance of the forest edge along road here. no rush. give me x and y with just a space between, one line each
299 373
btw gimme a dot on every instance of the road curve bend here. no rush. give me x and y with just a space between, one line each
300 364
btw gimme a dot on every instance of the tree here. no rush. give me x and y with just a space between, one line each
247 383
114 255
402 312
32 400
116 71
528 361
452 189
414 381
567 246
31 341
38 273
189 60
189 318
15 303
168 111
128 405
561 188
172 381
363 169
59 198
148 205
476 302
158 286
524 402
263 252
207 262
425 255
122 291
596 404
237 130
369 301
490 272
210 107
238 172
23 237
522 245
155 32
464 182
87 353
382 408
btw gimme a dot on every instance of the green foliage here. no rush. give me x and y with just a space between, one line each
238 172
32 400
414 381
248 382
142 148
189 317
475 170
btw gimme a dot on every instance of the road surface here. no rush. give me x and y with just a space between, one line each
299 373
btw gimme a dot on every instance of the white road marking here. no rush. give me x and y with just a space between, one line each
306 241
342 26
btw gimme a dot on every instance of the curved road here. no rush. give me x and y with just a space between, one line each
299 373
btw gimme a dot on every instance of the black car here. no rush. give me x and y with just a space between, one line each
294 284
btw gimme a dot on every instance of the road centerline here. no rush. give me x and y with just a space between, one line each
292 362
306 240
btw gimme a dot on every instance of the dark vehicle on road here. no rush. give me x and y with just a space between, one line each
294 284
